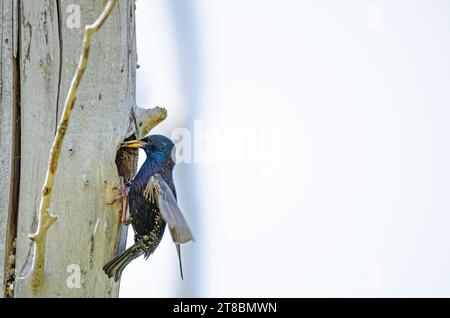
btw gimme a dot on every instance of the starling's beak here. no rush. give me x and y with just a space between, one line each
134 144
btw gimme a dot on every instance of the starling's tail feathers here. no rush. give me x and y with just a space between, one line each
115 266
179 259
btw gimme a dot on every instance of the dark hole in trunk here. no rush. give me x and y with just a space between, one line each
126 162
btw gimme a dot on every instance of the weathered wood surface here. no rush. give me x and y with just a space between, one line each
85 235
8 117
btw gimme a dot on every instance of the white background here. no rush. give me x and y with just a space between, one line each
323 135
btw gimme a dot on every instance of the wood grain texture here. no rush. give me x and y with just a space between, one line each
5 128
87 232
9 165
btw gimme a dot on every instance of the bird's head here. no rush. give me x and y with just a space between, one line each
156 147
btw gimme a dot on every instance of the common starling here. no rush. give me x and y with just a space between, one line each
152 203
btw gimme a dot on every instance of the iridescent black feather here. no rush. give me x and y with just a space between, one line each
152 203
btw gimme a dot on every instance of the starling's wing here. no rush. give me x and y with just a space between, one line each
169 210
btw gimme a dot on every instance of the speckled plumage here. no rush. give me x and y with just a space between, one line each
145 216
147 219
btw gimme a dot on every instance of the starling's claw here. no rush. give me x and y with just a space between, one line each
123 187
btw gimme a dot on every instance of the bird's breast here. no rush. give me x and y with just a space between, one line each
145 216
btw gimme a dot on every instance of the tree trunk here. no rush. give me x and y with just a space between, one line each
9 139
41 45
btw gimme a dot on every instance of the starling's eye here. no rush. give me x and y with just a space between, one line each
157 148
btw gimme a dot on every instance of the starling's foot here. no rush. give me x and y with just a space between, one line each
123 187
